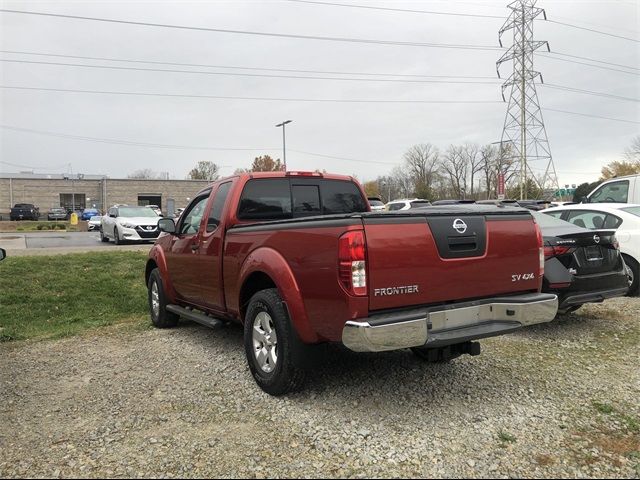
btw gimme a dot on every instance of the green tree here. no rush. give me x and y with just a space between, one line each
371 188
265 163
205 170
583 190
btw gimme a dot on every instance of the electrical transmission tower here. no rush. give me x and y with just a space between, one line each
524 133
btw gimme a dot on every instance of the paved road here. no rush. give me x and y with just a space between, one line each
47 243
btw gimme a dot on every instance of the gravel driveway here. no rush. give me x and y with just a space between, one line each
558 400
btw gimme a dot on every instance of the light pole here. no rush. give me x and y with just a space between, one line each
284 144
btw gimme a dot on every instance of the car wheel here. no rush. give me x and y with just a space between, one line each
103 238
116 236
270 341
633 274
160 317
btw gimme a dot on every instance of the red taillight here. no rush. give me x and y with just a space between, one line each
352 270
556 251
540 249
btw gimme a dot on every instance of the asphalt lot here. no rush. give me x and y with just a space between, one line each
43 243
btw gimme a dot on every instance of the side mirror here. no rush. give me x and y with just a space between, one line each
3 254
167 225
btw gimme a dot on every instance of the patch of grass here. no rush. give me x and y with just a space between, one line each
605 408
34 226
506 437
58 296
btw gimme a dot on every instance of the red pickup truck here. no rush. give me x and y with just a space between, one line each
299 259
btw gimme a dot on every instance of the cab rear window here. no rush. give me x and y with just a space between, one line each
283 198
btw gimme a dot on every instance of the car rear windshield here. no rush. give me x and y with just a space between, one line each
136 212
546 220
284 198
632 210
420 203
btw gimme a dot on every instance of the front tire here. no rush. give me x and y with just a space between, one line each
270 343
160 317
633 274
116 237
103 238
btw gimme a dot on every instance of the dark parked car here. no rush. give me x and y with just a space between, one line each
24 211
57 213
506 202
581 265
87 213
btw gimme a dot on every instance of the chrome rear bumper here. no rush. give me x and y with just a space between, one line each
448 324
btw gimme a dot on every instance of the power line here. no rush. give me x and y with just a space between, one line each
313 100
594 60
591 115
224 97
170 146
431 12
17 165
297 77
303 37
112 67
587 64
265 34
589 92
594 31
235 67
368 7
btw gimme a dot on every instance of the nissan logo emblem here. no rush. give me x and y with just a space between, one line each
596 238
459 225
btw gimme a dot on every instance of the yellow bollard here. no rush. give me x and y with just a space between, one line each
73 219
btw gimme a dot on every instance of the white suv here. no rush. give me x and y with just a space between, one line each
406 204
123 223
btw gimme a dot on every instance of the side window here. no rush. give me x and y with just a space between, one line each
193 215
306 200
557 214
612 222
215 214
340 196
396 206
587 218
616 192
265 199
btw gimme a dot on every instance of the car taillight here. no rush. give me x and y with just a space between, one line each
615 243
540 249
352 262
556 251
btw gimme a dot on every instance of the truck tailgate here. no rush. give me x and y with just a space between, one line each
450 255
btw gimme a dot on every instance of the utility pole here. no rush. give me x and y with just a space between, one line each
284 145
523 125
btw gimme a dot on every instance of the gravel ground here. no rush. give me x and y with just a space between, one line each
558 400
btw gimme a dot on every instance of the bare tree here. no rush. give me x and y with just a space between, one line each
471 154
423 162
632 153
205 170
144 174
455 169
403 182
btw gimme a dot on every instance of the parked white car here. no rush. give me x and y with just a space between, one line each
376 204
124 223
94 223
406 204
624 218
156 209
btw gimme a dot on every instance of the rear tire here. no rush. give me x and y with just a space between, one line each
160 317
270 344
633 273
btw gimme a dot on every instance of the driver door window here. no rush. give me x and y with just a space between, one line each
192 217
615 192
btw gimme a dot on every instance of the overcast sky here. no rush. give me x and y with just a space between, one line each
375 134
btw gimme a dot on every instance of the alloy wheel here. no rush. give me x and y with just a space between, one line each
265 342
